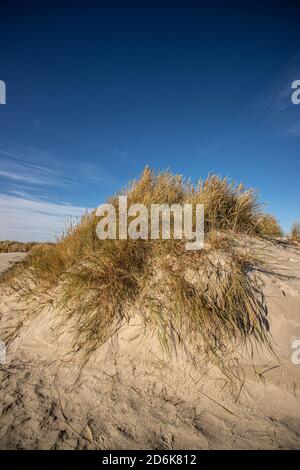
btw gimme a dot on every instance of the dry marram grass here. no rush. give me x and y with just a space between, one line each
295 232
9 246
210 299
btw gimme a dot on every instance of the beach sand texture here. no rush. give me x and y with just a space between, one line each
130 395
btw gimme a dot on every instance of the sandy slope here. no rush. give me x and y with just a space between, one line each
132 396
8 259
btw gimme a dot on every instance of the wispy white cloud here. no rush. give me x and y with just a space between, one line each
21 177
40 167
37 123
278 97
17 169
27 219
34 184
294 130
19 193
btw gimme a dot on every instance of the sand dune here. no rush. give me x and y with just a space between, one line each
130 395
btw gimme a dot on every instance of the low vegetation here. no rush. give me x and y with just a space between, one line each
210 299
295 232
7 246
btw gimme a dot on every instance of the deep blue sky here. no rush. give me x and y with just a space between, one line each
97 90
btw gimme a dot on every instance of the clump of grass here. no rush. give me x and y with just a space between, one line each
9 246
207 301
211 298
295 232
99 293
268 226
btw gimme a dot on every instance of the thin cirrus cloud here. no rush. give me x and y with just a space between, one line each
294 130
40 167
21 177
33 185
15 169
274 108
25 219
278 97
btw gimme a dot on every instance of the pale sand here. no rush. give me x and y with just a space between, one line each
9 259
132 396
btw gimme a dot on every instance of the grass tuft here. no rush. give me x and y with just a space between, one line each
295 232
9 246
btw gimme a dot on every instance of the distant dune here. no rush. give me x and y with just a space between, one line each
7 246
